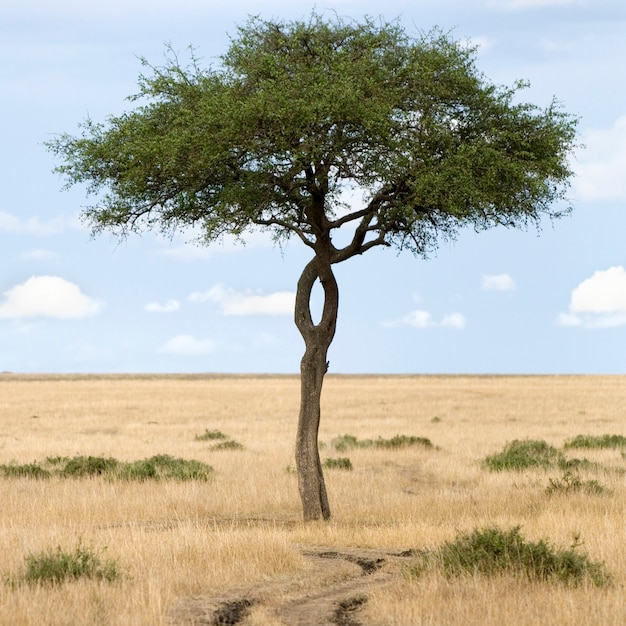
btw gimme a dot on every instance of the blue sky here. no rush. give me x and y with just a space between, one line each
494 302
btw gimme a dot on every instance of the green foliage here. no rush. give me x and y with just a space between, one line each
572 483
495 552
28 470
80 466
58 566
402 441
158 467
348 442
524 454
341 463
210 435
297 112
591 441
230 444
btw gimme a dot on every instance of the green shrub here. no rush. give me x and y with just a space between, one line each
172 468
80 466
520 455
591 441
494 552
161 466
230 444
58 566
342 463
403 441
28 470
348 442
210 435
571 483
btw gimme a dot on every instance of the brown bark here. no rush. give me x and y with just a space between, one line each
313 367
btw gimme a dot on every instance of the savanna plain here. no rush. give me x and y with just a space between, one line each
229 547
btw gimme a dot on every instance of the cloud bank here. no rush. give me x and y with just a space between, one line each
47 297
598 301
233 302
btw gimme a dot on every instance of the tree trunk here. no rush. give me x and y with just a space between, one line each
313 367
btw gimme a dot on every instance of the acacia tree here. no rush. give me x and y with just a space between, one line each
294 114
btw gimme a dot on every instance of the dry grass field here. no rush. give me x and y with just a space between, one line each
233 549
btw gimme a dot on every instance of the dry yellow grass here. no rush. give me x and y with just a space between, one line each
179 540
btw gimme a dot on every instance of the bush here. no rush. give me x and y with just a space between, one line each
520 455
161 466
602 441
230 444
403 441
493 552
57 566
340 463
210 435
28 470
80 466
571 483
348 442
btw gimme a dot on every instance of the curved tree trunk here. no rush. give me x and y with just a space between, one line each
313 367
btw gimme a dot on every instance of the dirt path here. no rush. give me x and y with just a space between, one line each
331 592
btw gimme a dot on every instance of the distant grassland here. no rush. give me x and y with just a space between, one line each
174 539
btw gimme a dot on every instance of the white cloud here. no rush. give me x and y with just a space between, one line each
498 282
47 296
454 320
236 303
186 345
14 225
601 164
423 319
169 307
598 301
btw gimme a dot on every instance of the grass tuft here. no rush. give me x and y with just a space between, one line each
495 552
161 466
27 470
342 463
348 442
571 483
230 444
211 435
601 441
57 566
524 454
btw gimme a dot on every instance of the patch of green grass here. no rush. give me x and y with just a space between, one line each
403 441
230 444
495 552
601 441
211 435
524 454
342 463
80 466
571 483
27 470
348 442
158 467
58 566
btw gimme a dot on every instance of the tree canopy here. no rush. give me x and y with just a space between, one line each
295 115
296 112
